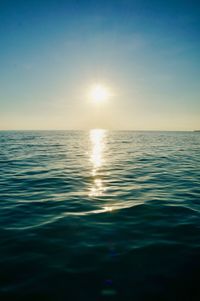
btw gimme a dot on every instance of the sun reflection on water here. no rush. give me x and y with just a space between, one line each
97 138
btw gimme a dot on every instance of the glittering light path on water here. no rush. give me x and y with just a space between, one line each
97 138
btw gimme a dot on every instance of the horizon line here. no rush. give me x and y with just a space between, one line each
84 130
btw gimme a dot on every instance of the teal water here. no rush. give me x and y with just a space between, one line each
99 215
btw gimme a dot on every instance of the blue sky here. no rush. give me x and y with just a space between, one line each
146 52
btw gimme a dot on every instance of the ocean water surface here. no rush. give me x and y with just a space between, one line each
99 215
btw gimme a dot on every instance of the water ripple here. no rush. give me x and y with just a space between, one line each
119 208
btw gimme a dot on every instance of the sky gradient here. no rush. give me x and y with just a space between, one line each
146 52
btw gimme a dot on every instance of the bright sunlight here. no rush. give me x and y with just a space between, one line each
99 93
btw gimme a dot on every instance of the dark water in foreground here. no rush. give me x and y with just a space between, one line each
99 215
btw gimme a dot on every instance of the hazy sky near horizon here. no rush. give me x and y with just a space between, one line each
146 52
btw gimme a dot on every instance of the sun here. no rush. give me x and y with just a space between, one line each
99 93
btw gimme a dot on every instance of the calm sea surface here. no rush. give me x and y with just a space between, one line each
99 215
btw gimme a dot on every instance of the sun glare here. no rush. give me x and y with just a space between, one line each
99 93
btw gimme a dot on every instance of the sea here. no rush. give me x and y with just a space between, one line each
99 215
